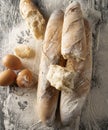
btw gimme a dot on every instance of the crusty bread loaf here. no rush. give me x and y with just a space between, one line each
75 40
73 36
61 78
47 96
72 103
33 18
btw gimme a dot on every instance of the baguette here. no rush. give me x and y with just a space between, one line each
74 79
47 96
72 103
33 18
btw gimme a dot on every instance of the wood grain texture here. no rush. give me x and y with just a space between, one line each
95 111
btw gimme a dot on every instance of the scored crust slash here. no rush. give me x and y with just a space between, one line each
67 35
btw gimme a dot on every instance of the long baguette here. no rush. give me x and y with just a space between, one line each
47 96
72 103
33 18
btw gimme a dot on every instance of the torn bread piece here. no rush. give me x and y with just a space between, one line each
61 78
47 96
33 18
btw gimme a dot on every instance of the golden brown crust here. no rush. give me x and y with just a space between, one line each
7 77
33 18
26 7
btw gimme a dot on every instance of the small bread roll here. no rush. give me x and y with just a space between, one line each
24 51
7 77
33 18
12 62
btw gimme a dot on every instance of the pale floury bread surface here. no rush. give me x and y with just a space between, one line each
47 96
61 78
33 18
73 36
